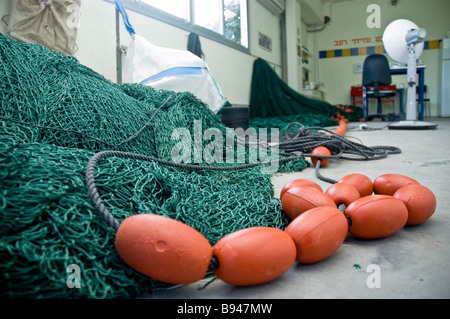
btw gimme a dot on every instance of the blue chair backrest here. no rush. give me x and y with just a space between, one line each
376 71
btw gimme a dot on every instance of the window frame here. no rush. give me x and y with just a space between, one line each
190 26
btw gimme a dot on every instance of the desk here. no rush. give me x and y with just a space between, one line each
421 86
357 92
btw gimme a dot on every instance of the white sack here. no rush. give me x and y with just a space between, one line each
171 69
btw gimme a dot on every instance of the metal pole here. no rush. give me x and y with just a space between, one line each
118 50
411 106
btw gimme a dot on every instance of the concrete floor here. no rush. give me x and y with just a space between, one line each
413 263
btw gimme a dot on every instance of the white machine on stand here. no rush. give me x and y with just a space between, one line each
403 42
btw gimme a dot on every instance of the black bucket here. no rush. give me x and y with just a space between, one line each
235 117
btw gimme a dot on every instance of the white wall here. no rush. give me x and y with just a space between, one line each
96 39
4 9
349 22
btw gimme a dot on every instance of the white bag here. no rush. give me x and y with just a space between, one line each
171 69
52 23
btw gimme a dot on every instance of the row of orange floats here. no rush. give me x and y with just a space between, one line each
170 251
367 210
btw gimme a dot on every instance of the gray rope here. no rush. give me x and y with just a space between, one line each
128 139
93 192
325 179
305 141
95 197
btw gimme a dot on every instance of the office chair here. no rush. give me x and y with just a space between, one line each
376 73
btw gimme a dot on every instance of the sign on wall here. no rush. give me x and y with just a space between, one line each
365 50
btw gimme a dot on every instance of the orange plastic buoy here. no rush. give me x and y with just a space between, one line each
388 184
318 233
342 193
300 182
298 200
419 200
342 128
163 249
376 216
321 151
254 255
361 182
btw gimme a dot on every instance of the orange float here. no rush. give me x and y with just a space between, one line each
254 256
361 182
388 184
298 200
163 249
376 216
420 202
320 151
342 128
299 182
342 193
318 233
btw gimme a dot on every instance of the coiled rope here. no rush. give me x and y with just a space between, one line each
303 141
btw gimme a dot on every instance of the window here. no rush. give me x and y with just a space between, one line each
178 8
235 15
224 21
223 17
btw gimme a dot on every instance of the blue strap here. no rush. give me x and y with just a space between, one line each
176 71
124 14
184 71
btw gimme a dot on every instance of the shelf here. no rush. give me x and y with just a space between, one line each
306 51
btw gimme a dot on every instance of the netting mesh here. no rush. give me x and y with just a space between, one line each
274 103
47 221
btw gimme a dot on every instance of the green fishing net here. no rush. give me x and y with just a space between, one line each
283 122
55 115
274 104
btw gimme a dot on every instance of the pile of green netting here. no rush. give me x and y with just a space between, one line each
55 115
273 103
